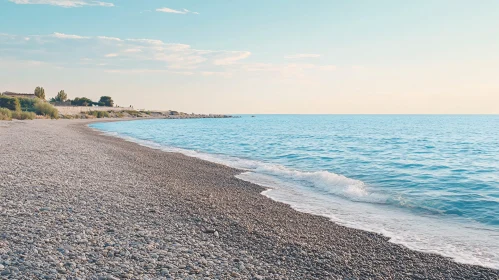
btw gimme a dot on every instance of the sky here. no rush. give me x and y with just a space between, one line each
258 56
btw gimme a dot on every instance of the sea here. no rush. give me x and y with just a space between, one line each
428 182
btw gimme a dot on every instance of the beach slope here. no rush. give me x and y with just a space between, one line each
78 204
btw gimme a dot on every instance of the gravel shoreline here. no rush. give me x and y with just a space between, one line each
76 204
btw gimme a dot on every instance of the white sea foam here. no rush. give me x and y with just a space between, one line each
352 203
470 244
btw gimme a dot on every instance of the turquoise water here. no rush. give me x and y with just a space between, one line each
430 183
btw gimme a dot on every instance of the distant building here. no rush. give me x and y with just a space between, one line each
22 95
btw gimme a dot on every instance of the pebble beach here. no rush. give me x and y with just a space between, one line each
77 204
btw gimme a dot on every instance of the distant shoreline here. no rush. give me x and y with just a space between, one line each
173 214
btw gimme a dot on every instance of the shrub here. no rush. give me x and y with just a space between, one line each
28 104
16 114
28 116
45 109
133 113
5 114
99 114
69 117
20 115
103 114
10 103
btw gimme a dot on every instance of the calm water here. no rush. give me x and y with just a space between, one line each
428 182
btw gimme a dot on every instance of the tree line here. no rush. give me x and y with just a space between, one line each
105 101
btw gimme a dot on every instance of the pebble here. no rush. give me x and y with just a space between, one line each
75 204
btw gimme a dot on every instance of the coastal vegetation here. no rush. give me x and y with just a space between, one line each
29 106
81 101
5 114
40 93
99 114
10 103
46 109
104 101
133 113
61 96
24 106
23 115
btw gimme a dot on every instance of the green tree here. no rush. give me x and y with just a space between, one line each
10 103
61 96
40 93
27 104
106 101
82 101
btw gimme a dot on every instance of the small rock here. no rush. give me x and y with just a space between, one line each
164 271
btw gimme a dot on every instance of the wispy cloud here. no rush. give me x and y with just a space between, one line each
303 55
231 57
147 41
109 38
150 53
144 55
172 11
133 50
68 36
64 3
190 12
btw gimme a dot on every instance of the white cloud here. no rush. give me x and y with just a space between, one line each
64 3
147 41
109 38
139 55
303 55
67 36
133 50
172 11
231 57
180 60
191 12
